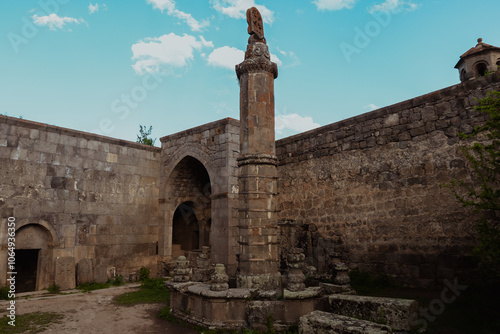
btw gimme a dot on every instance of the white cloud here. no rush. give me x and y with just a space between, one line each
205 43
294 122
53 21
274 58
371 107
293 59
237 9
394 6
167 50
169 6
334 4
93 8
226 57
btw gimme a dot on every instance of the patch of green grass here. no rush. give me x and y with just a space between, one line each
166 315
117 281
87 287
4 293
153 283
29 323
144 273
145 295
54 288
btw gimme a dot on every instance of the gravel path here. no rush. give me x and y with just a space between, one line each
95 312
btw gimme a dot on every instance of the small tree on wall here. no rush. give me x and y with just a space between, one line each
483 196
144 136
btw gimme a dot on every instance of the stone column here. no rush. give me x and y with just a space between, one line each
258 258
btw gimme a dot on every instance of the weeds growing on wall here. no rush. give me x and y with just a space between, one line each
483 196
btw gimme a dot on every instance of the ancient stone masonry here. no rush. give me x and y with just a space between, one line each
220 278
258 256
182 271
295 277
373 185
365 192
77 195
198 193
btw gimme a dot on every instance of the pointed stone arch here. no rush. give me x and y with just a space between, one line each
214 146
187 202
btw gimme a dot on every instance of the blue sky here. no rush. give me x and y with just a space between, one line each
108 66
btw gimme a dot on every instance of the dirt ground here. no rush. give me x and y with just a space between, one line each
95 312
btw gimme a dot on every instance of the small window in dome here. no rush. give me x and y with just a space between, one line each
481 69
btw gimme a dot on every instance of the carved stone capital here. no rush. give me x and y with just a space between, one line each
257 58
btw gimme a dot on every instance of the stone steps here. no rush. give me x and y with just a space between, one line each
319 322
398 314
361 314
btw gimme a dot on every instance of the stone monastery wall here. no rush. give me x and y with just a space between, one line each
372 183
90 196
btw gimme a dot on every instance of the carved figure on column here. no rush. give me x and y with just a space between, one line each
255 26
257 56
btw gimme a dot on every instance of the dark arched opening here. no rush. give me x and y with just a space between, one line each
33 258
188 193
481 69
185 228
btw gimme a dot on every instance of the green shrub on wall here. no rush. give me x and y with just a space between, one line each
483 195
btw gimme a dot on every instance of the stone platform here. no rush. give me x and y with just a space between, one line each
240 308
319 310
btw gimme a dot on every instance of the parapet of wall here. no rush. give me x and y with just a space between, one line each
373 184
96 197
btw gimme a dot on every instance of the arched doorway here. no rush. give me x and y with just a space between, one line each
188 207
185 228
33 258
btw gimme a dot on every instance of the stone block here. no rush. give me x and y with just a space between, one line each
84 272
65 276
396 313
319 322
100 274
